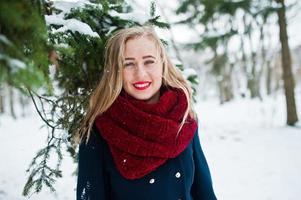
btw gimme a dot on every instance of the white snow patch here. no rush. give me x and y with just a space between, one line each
4 39
66 6
136 15
62 45
20 140
16 63
13 62
189 72
73 25
250 151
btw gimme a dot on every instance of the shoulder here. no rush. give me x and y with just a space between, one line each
195 138
95 141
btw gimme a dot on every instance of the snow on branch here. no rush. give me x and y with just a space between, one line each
137 16
73 25
66 6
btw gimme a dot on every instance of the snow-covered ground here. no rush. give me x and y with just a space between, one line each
19 142
251 154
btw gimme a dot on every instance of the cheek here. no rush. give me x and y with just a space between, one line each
158 73
125 77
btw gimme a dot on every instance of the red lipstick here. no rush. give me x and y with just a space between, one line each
141 85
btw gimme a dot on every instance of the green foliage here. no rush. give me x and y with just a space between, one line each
155 19
23 45
40 172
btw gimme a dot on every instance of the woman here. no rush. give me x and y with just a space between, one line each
139 139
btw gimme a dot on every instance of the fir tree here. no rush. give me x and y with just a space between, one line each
23 45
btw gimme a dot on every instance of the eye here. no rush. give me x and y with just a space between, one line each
128 64
149 62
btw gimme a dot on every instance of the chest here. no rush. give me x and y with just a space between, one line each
172 180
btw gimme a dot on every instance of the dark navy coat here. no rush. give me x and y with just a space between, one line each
185 177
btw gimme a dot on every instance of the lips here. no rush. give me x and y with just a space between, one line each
142 85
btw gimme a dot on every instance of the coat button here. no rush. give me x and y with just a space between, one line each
151 181
178 175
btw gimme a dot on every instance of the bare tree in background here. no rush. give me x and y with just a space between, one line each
1 99
287 75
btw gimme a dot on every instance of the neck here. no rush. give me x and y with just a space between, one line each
154 99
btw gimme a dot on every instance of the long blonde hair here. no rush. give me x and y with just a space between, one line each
110 84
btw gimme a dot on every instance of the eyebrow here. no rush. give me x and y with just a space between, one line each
148 56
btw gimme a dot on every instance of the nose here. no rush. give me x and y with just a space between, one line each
140 71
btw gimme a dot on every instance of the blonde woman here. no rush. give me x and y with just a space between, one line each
139 138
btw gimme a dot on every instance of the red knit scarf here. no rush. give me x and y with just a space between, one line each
142 136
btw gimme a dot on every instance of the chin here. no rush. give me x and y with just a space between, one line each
142 97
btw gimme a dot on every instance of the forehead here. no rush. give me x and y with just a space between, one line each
140 46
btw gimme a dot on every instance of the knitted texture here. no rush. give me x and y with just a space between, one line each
141 136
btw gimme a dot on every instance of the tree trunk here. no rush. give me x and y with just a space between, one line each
23 103
264 62
270 71
268 78
11 101
253 81
253 84
1 99
250 68
227 83
287 75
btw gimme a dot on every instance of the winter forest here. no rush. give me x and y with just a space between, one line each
241 57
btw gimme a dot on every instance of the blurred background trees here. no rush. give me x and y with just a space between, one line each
51 56
222 22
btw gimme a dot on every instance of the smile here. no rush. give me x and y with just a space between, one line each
141 85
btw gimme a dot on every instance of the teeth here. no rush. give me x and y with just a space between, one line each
141 85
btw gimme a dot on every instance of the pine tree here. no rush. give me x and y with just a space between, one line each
23 45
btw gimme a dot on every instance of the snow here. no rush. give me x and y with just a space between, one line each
20 140
13 62
62 45
66 6
251 153
73 25
137 16
4 39
16 63
189 72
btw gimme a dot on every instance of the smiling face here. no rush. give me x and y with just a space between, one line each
142 69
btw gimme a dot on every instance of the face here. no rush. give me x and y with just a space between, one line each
142 69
